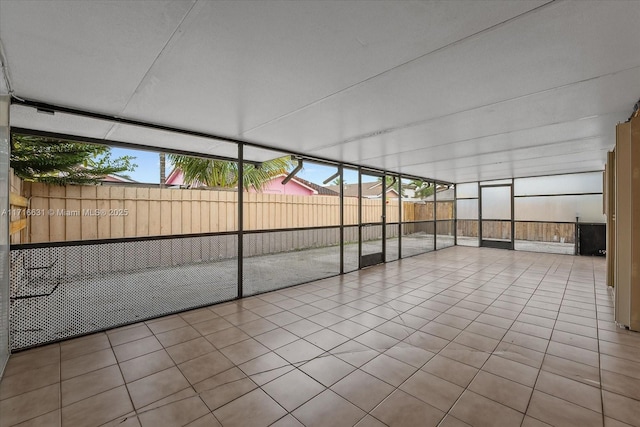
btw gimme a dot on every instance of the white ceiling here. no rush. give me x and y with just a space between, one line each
452 90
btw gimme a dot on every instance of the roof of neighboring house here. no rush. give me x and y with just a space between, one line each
117 178
369 189
443 193
322 191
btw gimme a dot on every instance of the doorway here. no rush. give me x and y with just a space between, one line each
496 216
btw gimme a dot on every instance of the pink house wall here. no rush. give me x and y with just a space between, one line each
293 188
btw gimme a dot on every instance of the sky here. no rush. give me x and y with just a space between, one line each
148 170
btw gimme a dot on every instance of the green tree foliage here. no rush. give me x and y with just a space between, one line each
423 189
220 173
60 162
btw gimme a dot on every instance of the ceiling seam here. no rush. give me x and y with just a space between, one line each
441 48
494 135
155 60
489 153
432 119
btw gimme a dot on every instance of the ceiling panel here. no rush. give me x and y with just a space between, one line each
457 91
85 54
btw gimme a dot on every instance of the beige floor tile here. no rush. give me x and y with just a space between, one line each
433 390
530 329
351 329
479 411
363 390
90 384
409 354
519 354
224 377
29 405
572 370
464 354
225 393
51 419
210 326
326 339
450 370
572 391
451 421
485 330
511 370
175 414
32 359
303 327
376 340
369 421
98 409
30 380
403 410
388 369
244 351
254 409
532 422
299 351
136 348
287 421
89 362
620 366
203 367
620 384
188 350
576 354
285 318
83 345
257 327
227 337
156 386
241 317
177 336
501 390
426 341
165 324
327 370
354 353
293 389
555 411
198 315
207 421
439 330
148 364
328 409
621 408
130 333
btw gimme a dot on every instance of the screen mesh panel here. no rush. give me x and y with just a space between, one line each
64 291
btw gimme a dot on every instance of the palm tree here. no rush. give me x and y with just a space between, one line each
221 173
423 189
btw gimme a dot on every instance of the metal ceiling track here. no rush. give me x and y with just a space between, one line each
45 107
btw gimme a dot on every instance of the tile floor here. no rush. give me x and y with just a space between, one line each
462 336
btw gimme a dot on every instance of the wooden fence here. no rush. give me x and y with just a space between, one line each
532 231
90 212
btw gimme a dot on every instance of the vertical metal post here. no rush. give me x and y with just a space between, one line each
400 217
341 192
435 215
240 217
359 218
577 237
5 102
384 218
455 215
513 221
479 214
